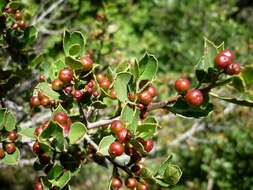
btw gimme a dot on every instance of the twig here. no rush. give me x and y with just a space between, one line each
164 103
101 123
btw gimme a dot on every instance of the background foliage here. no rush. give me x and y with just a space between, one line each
218 155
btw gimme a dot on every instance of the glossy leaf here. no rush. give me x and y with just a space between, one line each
73 63
148 66
76 132
11 159
104 144
27 132
10 121
120 85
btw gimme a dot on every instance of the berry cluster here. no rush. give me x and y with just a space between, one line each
225 61
41 99
8 145
123 145
17 14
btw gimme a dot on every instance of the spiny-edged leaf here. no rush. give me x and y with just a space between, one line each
2 116
120 85
76 132
104 144
161 169
248 103
148 66
55 67
73 63
247 74
183 109
27 132
11 159
172 174
238 84
47 90
55 172
10 121
210 51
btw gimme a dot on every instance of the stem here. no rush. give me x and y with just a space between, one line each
101 123
164 103
124 168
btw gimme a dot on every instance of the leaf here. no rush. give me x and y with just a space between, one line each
247 74
74 44
147 174
11 159
55 67
55 172
10 121
148 66
161 169
172 174
73 63
47 90
2 116
147 129
30 34
16 5
27 132
238 83
206 77
139 147
183 109
120 85
131 117
248 103
104 144
76 132
63 180
37 60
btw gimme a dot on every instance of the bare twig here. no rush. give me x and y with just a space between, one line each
164 103
101 123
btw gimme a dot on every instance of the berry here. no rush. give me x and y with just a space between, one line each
10 148
95 94
137 168
148 145
182 85
228 53
38 186
113 94
99 77
35 101
116 183
36 147
38 131
8 9
18 15
233 69
152 90
2 153
143 115
116 149
61 118
89 90
41 95
131 96
57 84
68 89
42 78
44 158
131 183
129 149
12 136
66 75
87 62
142 186
78 94
105 84
45 101
14 26
123 135
145 98
22 24
116 126
194 97
66 127
140 106
222 61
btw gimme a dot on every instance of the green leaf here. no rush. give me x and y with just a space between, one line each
11 159
172 174
2 116
74 44
148 66
183 109
238 83
248 103
55 67
63 179
10 121
30 34
120 85
27 132
139 147
146 130
247 74
161 169
104 144
47 90
76 132
16 5
147 174
55 172
131 117
37 60
73 63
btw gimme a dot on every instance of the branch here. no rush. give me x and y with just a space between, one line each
164 103
101 123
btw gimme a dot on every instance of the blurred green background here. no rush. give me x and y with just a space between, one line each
214 153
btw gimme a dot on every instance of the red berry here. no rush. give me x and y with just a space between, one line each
113 94
148 145
68 89
8 9
89 90
42 78
182 85
18 15
87 62
12 136
45 101
131 183
57 84
116 149
90 84
35 101
78 94
222 61
233 69
228 53
66 75
116 183
44 158
145 98
116 126
14 26
105 84
194 97
140 106
66 127
38 186
99 77
123 135
38 131
22 24
2 153
36 147
61 118
152 90
95 94
41 95
10 148
142 186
